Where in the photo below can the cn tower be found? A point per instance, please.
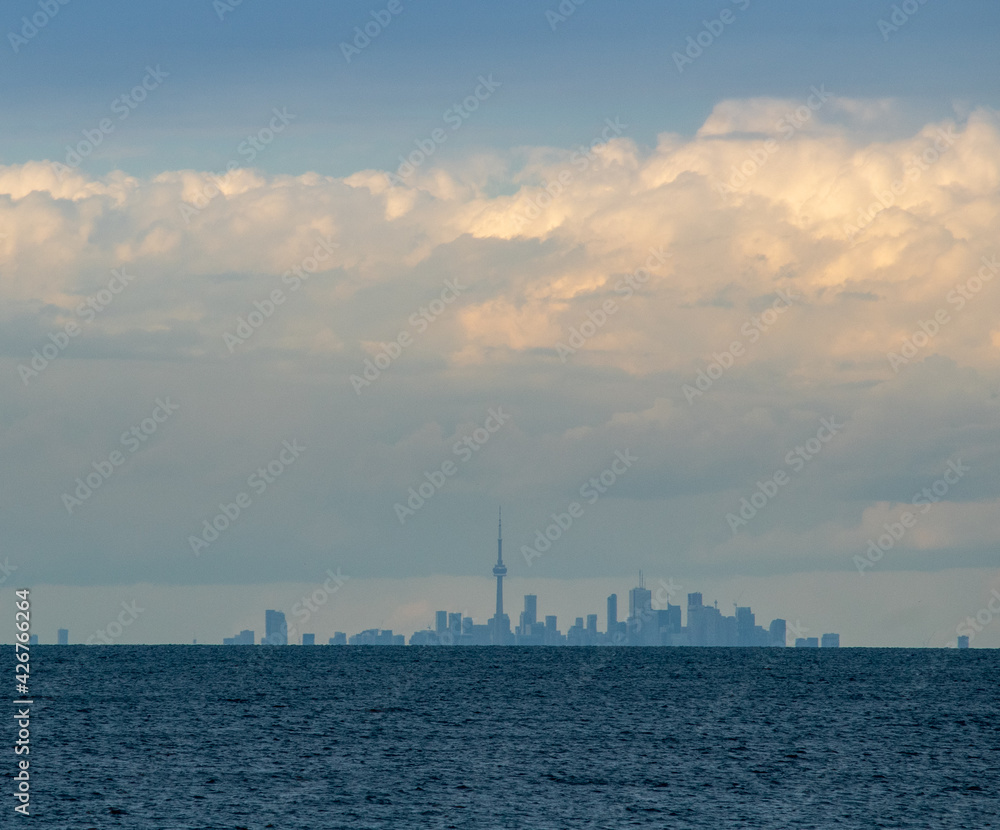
(499, 571)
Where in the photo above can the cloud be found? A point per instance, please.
(691, 242)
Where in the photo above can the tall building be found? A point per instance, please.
(640, 600)
(529, 632)
(552, 637)
(275, 629)
(529, 616)
(63, 637)
(777, 635)
(745, 624)
(501, 622)
(642, 625)
(612, 613)
(696, 622)
(830, 641)
(440, 621)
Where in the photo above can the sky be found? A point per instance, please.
(703, 289)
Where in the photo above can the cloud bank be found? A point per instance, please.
(703, 304)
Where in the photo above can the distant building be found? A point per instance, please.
(641, 625)
(244, 638)
(275, 629)
(339, 638)
(32, 639)
(697, 624)
(529, 631)
(745, 623)
(777, 636)
(612, 614)
(63, 637)
(830, 641)
(426, 637)
(963, 642)
(501, 634)
(308, 639)
(552, 636)
(440, 621)
(377, 637)
(807, 642)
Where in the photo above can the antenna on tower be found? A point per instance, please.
(640, 579)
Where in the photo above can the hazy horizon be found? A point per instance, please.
(484, 258)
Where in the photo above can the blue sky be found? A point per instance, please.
(604, 60)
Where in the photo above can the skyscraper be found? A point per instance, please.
(697, 623)
(612, 613)
(530, 614)
(745, 623)
(63, 637)
(777, 633)
(642, 628)
(501, 624)
(275, 628)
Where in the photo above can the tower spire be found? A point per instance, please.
(501, 626)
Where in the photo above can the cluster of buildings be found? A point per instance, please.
(704, 625)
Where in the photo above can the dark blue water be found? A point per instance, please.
(329, 737)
